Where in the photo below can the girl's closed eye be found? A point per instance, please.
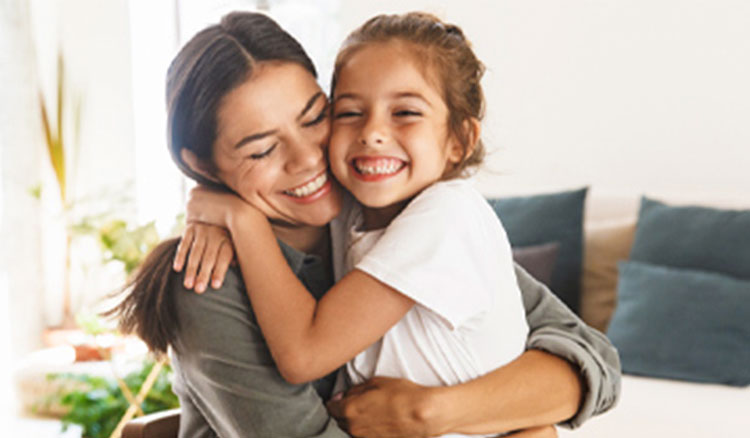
(407, 113)
(346, 114)
(264, 154)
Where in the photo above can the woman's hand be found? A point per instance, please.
(385, 407)
(210, 254)
(535, 432)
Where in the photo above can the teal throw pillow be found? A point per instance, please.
(682, 324)
(702, 238)
(555, 217)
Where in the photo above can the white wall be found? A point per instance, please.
(626, 96)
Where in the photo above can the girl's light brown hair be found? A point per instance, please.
(447, 60)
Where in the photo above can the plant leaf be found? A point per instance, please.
(54, 147)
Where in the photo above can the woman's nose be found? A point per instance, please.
(304, 153)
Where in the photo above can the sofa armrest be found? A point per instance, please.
(163, 424)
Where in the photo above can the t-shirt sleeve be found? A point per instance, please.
(443, 251)
(554, 328)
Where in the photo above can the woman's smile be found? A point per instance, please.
(311, 190)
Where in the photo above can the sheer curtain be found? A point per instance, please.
(21, 288)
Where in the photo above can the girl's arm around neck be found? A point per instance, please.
(309, 339)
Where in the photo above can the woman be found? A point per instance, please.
(246, 114)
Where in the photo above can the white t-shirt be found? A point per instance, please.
(449, 253)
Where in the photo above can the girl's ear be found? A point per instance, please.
(197, 165)
(458, 152)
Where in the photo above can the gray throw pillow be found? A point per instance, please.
(682, 324)
(554, 217)
(538, 260)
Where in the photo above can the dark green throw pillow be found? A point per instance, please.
(700, 238)
(555, 217)
(682, 324)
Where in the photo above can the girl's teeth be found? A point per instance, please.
(309, 188)
(380, 169)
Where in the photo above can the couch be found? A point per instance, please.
(649, 406)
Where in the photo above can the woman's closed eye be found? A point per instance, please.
(264, 154)
(318, 119)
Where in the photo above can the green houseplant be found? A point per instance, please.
(61, 149)
(98, 404)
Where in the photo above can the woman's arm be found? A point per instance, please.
(307, 338)
(536, 389)
(576, 376)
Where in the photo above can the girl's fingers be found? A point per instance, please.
(226, 255)
(208, 261)
(194, 259)
(182, 249)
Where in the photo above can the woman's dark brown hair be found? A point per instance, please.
(214, 62)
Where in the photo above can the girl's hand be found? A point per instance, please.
(212, 206)
(210, 253)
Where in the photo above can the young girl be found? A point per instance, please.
(426, 279)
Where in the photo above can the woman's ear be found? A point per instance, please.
(459, 152)
(197, 165)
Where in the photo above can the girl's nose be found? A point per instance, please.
(373, 132)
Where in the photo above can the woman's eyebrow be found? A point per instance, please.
(254, 137)
(310, 104)
(261, 135)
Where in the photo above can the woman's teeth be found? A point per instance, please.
(381, 168)
(309, 188)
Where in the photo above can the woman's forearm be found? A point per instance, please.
(536, 389)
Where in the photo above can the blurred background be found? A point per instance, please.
(626, 97)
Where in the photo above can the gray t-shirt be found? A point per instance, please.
(228, 384)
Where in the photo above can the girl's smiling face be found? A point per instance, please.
(271, 144)
(390, 137)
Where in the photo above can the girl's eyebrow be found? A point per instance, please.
(345, 96)
(397, 95)
(412, 95)
(261, 135)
